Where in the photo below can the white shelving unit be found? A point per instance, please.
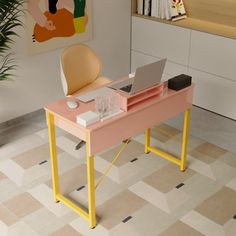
(210, 59)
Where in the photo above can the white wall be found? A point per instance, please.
(38, 81)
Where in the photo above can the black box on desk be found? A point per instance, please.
(179, 82)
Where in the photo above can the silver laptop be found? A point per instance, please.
(145, 77)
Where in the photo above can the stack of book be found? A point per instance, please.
(163, 9)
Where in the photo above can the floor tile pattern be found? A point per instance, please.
(143, 194)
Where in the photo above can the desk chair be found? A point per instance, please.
(80, 71)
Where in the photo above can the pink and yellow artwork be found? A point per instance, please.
(56, 23)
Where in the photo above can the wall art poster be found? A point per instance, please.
(57, 23)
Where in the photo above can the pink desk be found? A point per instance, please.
(105, 134)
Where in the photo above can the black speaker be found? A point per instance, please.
(179, 82)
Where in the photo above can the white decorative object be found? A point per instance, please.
(87, 118)
(107, 104)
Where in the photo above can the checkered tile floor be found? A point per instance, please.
(143, 195)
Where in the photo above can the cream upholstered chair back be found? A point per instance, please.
(80, 66)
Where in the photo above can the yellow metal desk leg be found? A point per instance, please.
(91, 187)
(53, 154)
(147, 140)
(185, 139)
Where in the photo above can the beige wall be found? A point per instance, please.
(38, 80)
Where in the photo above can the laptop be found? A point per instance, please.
(145, 77)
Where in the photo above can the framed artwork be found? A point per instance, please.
(53, 24)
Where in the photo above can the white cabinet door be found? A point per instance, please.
(160, 40)
(213, 54)
(214, 93)
(171, 69)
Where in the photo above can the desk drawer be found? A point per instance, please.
(138, 120)
(71, 128)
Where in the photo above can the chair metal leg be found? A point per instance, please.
(127, 140)
(80, 145)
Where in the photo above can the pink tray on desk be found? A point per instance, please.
(127, 101)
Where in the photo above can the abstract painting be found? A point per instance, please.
(57, 23)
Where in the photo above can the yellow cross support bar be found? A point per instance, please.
(112, 163)
(180, 162)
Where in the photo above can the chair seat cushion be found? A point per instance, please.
(97, 83)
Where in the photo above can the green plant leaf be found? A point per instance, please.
(10, 15)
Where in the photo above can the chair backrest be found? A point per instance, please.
(79, 66)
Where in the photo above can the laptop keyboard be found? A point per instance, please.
(127, 88)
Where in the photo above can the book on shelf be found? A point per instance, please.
(164, 9)
(154, 8)
(158, 8)
(160, 15)
(177, 9)
(147, 8)
(167, 10)
(140, 7)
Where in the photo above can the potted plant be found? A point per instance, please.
(10, 14)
